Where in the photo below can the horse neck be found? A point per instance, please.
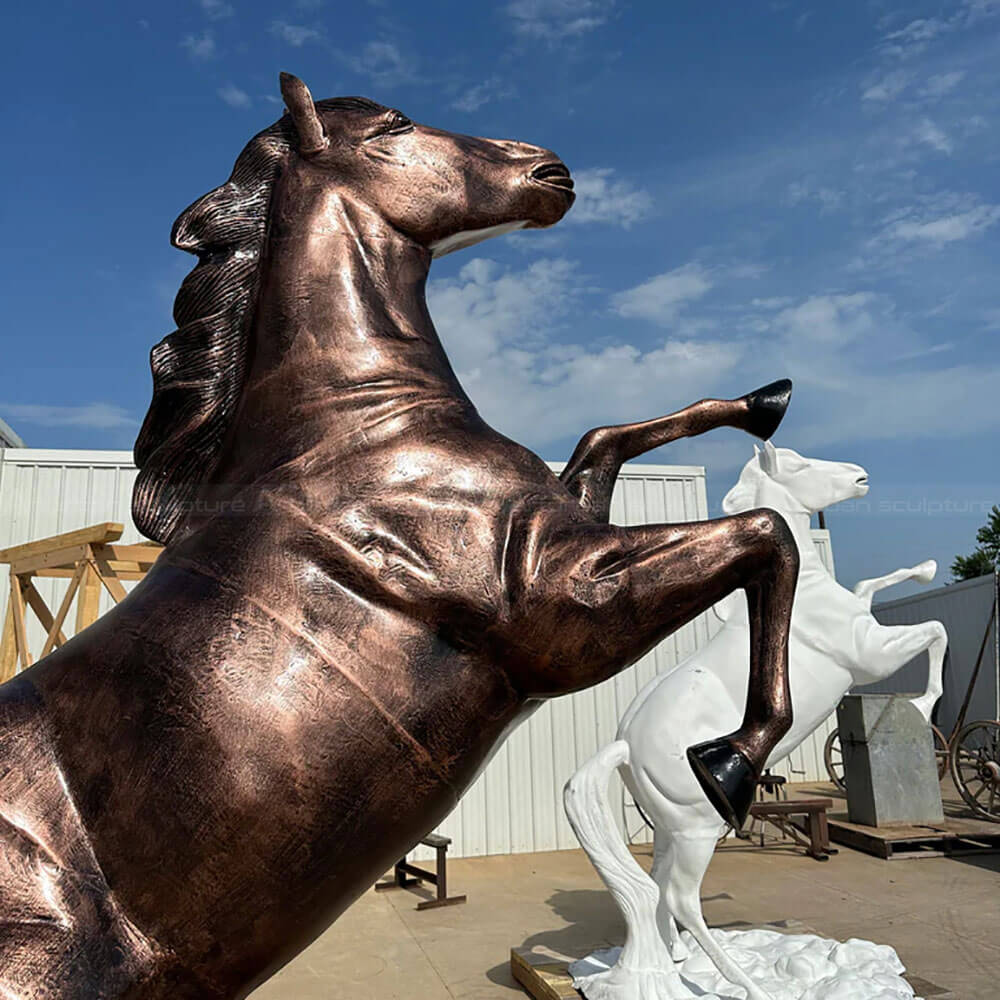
(342, 343)
(774, 495)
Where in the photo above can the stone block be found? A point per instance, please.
(889, 762)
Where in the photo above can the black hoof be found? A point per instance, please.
(727, 778)
(767, 407)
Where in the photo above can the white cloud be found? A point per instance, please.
(472, 99)
(94, 416)
(942, 83)
(944, 229)
(886, 87)
(829, 199)
(234, 97)
(601, 197)
(662, 297)
(506, 333)
(294, 34)
(383, 62)
(914, 38)
(554, 20)
(217, 10)
(931, 135)
(199, 46)
(833, 320)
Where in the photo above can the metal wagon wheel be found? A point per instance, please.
(975, 766)
(833, 757)
(941, 751)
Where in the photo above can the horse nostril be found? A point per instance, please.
(553, 172)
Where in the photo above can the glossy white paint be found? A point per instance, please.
(835, 644)
(794, 967)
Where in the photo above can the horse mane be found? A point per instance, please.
(199, 370)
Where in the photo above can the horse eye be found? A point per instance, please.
(399, 123)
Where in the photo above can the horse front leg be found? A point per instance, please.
(589, 599)
(922, 573)
(886, 648)
(593, 467)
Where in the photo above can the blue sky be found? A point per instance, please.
(766, 188)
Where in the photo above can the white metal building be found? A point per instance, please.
(8, 439)
(516, 805)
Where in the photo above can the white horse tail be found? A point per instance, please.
(586, 801)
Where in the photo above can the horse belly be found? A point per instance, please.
(690, 705)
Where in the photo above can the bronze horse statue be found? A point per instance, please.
(364, 587)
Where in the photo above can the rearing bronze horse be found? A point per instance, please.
(364, 589)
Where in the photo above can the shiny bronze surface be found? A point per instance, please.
(365, 587)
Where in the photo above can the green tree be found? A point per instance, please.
(985, 555)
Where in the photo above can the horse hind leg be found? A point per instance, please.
(593, 467)
(680, 888)
(589, 599)
(660, 874)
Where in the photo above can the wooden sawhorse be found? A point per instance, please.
(438, 878)
(814, 837)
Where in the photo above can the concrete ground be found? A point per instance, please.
(941, 915)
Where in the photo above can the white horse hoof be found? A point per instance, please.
(925, 572)
(679, 952)
(925, 706)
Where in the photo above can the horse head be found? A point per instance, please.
(443, 190)
(811, 484)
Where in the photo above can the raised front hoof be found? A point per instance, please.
(767, 406)
(727, 777)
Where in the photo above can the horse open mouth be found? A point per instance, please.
(553, 174)
(861, 481)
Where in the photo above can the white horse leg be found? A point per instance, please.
(923, 573)
(885, 648)
(691, 854)
(935, 686)
(662, 860)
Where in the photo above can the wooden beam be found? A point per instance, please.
(20, 633)
(63, 558)
(54, 632)
(122, 570)
(38, 605)
(115, 589)
(145, 554)
(88, 601)
(95, 534)
(8, 644)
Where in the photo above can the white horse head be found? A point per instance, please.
(811, 484)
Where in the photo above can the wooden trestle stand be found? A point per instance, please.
(90, 559)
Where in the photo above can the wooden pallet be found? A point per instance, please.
(544, 976)
(955, 836)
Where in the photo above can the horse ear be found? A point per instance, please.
(312, 136)
(768, 457)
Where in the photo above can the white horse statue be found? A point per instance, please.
(835, 644)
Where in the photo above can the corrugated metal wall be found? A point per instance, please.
(516, 805)
(964, 610)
